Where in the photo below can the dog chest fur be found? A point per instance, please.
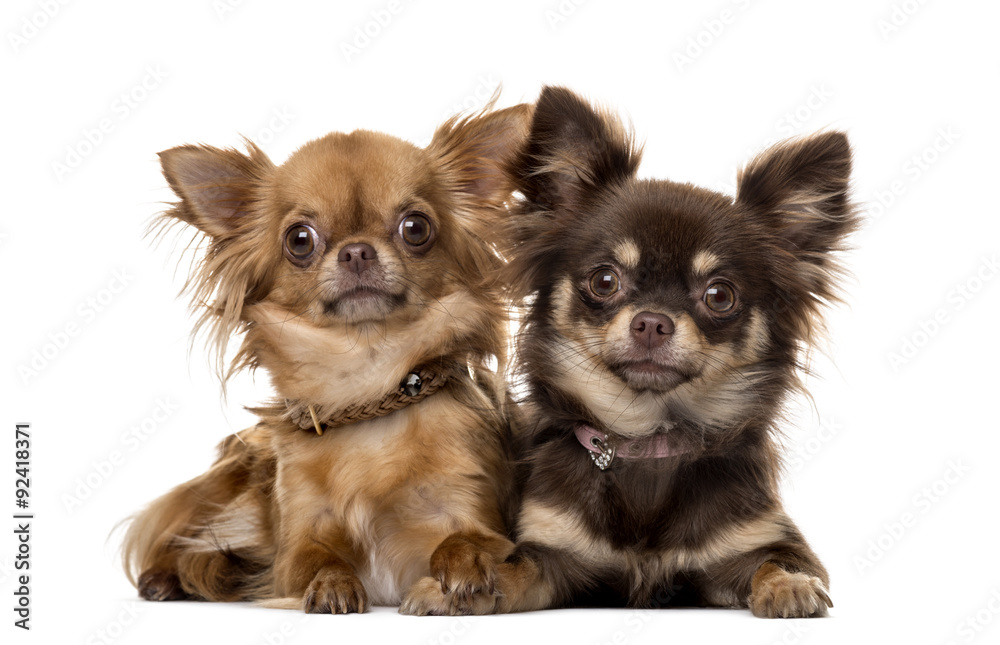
(389, 489)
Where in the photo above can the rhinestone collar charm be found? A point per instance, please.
(605, 453)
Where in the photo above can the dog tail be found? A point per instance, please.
(210, 538)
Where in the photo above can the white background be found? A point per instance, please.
(912, 440)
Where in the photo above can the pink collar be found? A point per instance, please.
(602, 452)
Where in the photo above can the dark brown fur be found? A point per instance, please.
(705, 526)
(338, 522)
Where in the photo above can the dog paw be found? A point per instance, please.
(157, 584)
(335, 591)
(779, 594)
(425, 598)
(464, 569)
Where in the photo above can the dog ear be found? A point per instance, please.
(800, 187)
(215, 185)
(474, 150)
(572, 150)
(799, 191)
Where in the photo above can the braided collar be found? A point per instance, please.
(415, 387)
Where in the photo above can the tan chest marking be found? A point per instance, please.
(560, 529)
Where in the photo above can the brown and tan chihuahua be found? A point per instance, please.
(666, 326)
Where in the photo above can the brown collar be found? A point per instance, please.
(416, 386)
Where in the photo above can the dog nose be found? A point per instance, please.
(358, 257)
(651, 330)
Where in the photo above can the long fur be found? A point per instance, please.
(652, 361)
(353, 517)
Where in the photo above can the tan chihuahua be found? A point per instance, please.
(355, 273)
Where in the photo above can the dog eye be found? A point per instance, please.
(604, 283)
(720, 297)
(415, 229)
(300, 242)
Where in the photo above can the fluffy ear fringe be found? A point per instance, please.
(800, 188)
(574, 151)
(213, 183)
(473, 151)
(475, 148)
(227, 269)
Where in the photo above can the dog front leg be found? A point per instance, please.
(322, 577)
(532, 577)
(781, 580)
(466, 563)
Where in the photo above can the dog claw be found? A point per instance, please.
(334, 591)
